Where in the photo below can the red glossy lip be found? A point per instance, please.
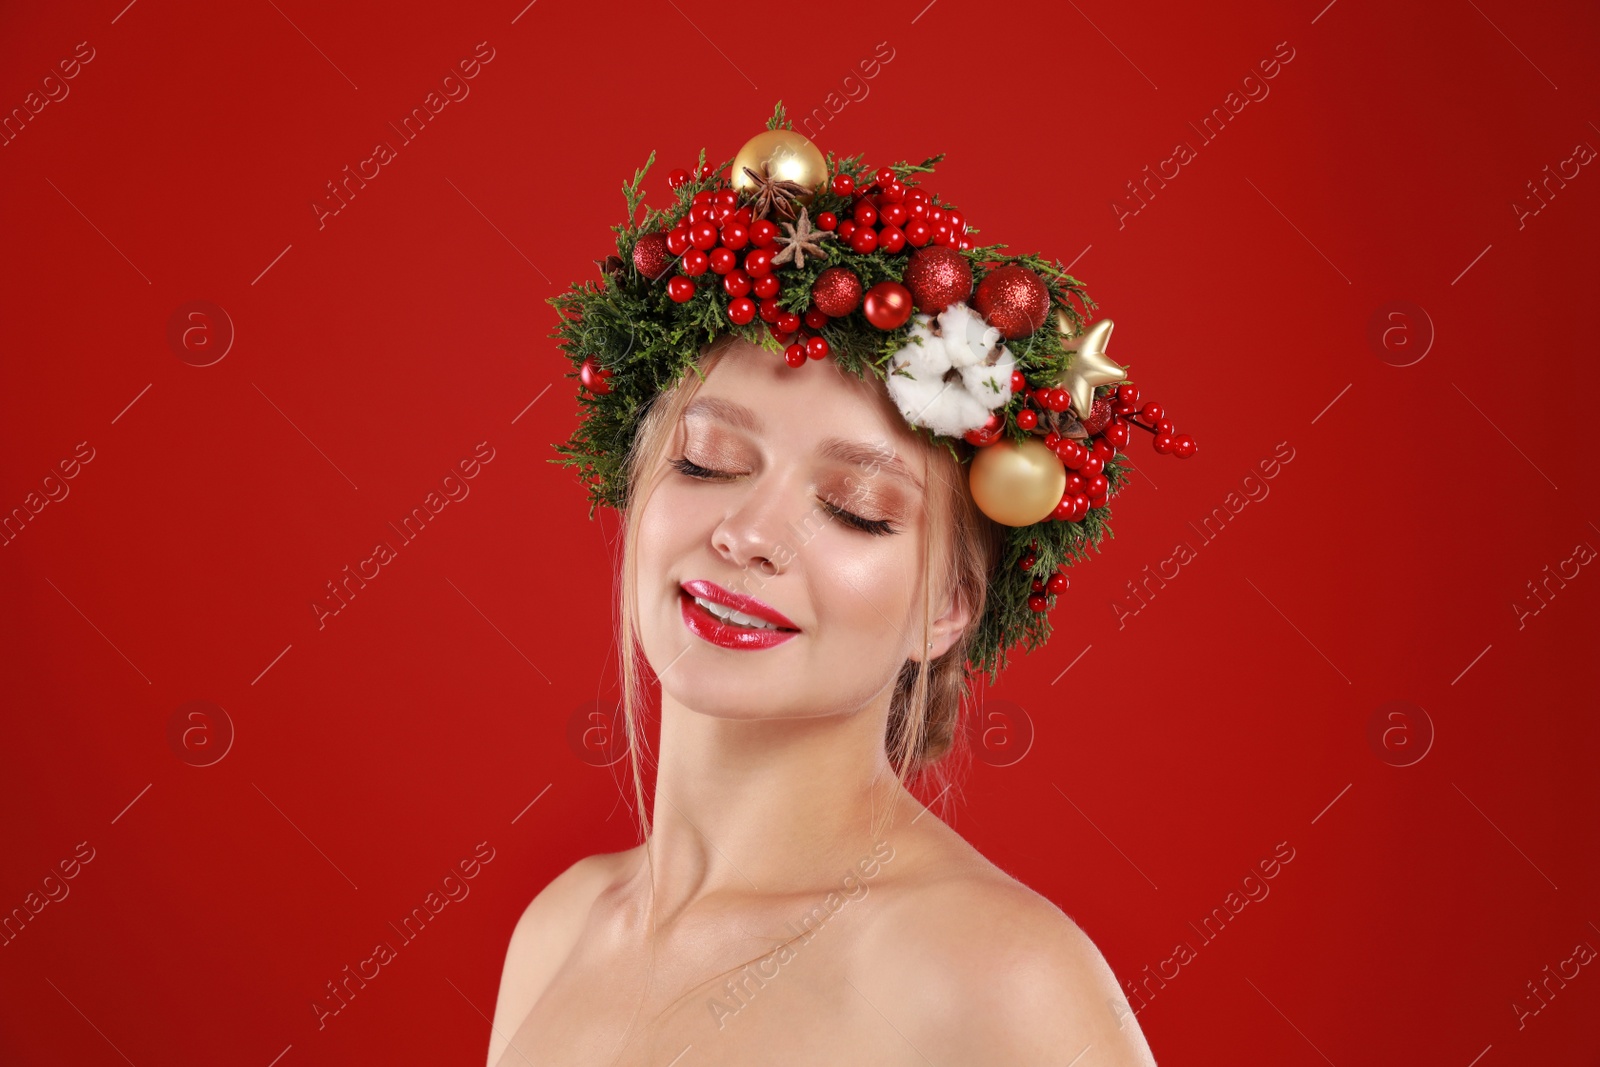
(738, 602)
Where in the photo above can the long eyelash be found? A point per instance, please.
(876, 527)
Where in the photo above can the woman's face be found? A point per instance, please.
(801, 489)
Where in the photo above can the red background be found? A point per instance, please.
(371, 355)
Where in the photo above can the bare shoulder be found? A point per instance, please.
(544, 935)
(1031, 985)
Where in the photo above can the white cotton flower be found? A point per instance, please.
(949, 376)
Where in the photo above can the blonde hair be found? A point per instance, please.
(924, 712)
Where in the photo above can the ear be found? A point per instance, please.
(948, 626)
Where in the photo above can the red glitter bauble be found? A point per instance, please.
(1099, 416)
(650, 256)
(938, 277)
(837, 292)
(1014, 300)
(887, 305)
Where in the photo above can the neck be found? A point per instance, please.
(752, 805)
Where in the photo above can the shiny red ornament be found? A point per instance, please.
(651, 257)
(887, 305)
(1012, 299)
(593, 376)
(836, 292)
(937, 278)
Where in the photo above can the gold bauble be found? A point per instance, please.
(786, 156)
(1017, 485)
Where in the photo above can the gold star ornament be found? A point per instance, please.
(1089, 367)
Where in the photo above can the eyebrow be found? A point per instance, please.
(834, 448)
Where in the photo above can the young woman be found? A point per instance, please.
(807, 575)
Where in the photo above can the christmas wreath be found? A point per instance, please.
(806, 255)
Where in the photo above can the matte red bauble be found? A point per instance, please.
(836, 292)
(938, 277)
(1014, 300)
(887, 305)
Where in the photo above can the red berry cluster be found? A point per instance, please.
(1110, 424)
(889, 215)
(1044, 589)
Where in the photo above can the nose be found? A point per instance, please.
(755, 534)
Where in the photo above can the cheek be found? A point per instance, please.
(877, 584)
(667, 523)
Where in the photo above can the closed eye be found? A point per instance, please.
(877, 527)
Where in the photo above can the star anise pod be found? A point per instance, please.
(774, 194)
(802, 241)
(612, 268)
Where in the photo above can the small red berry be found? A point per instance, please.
(827, 221)
(891, 239)
(723, 260)
(677, 179)
(885, 175)
(795, 355)
(817, 347)
(864, 240)
(741, 310)
(734, 235)
(843, 185)
(787, 322)
(703, 235)
(694, 262)
(1038, 603)
(1027, 418)
(1057, 584)
(680, 289)
(815, 319)
(736, 283)
(762, 233)
(767, 285)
